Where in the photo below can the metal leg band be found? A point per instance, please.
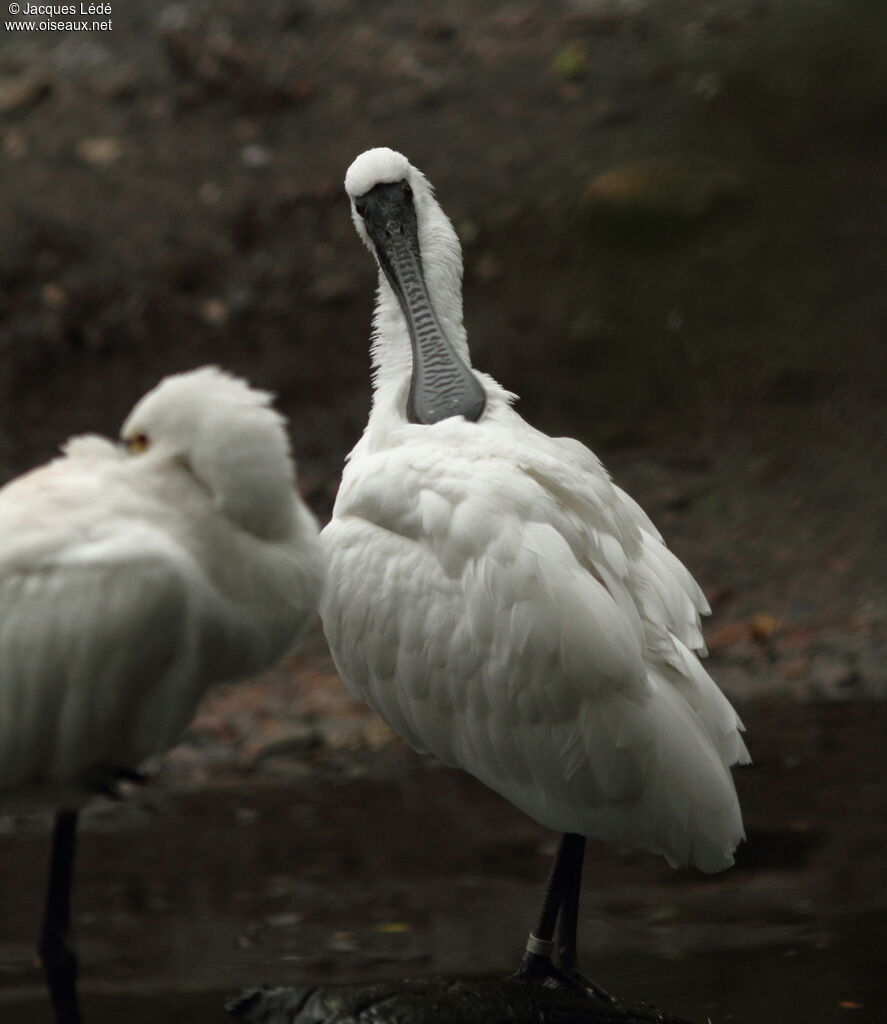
(539, 947)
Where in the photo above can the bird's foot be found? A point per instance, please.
(539, 969)
(60, 969)
(578, 979)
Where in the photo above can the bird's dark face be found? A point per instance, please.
(389, 217)
(442, 384)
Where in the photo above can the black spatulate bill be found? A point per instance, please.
(442, 384)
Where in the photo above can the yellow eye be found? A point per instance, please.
(137, 443)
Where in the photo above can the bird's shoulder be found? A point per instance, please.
(463, 461)
(84, 506)
(84, 467)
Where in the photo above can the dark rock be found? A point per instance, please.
(297, 740)
(832, 675)
(435, 1001)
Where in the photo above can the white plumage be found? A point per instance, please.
(131, 580)
(502, 604)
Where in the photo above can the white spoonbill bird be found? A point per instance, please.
(502, 604)
(131, 577)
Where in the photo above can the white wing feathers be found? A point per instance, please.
(83, 636)
(632, 559)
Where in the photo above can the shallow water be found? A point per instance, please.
(388, 865)
(839, 981)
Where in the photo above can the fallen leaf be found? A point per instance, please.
(795, 668)
(99, 150)
(571, 61)
(215, 312)
(728, 635)
(763, 626)
(53, 295)
(672, 189)
(21, 93)
(663, 914)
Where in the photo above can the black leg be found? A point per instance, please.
(568, 924)
(568, 918)
(536, 964)
(560, 910)
(59, 961)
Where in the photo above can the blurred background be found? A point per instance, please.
(674, 218)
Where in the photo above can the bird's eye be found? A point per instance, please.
(407, 190)
(361, 207)
(137, 443)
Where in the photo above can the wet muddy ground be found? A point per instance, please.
(340, 866)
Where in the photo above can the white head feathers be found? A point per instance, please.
(381, 166)
(187, 396)
(231, 439)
